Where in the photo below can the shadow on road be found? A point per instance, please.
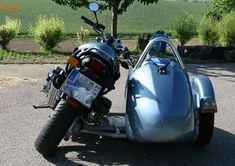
(213, 70)
(108, 151)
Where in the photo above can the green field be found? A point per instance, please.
(138, 19)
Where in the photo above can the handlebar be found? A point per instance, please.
(86, 20)
(96, 26)
(110, 40)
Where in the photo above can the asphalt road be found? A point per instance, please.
(20, 125)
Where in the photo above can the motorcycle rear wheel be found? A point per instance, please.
(55, 128)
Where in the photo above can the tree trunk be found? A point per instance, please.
(114, 18)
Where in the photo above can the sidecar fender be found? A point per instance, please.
(203, 95)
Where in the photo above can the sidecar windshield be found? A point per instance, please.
(160, 50)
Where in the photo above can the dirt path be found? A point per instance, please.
(28, 45)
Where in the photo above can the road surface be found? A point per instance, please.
(20, 125)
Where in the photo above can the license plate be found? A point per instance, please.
(81, 88)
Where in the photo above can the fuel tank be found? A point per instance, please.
(159, 104)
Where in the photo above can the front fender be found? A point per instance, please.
(203, 95)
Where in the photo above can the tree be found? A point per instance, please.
(117, 7)
(219, 8)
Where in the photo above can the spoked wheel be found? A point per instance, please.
(55, 128)
(204, 125)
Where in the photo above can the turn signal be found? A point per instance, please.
(73, 61)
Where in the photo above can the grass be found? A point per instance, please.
(138, 18)
(12, 57)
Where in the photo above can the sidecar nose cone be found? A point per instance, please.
(159, 107)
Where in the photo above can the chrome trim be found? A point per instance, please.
(149, 46)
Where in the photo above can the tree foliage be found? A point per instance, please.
(104, 4)
(219, 8)
(117, 7)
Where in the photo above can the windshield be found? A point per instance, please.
(160, 49)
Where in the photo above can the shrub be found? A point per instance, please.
(185, 28)
(48, 32)
(226, 29)
(8, 31)
(208, 32)
(81, 36)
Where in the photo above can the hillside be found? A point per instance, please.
(138, 19)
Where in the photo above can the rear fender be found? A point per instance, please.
(203, 95)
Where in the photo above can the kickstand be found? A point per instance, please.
(44, 105)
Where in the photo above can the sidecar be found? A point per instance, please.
(162, 103)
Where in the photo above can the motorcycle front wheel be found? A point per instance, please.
(55, 128)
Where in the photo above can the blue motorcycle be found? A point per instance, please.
(162, 105)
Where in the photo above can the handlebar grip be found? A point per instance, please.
(88, 21)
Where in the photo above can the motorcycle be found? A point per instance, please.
(162, 105)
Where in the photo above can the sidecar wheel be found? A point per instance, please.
(55, 128)
(204, 129)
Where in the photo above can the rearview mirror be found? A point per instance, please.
(94, 7)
